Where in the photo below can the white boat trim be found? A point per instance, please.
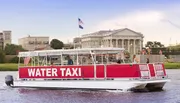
(89, 84)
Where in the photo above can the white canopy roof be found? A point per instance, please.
(70, 51)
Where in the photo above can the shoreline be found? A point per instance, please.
(14, 66)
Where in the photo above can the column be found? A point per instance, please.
(140, 44)
(110, 42)
(122, 43)
(82, 43)
(102, 43)
(106, 43)
(128, 45)
(116, 43)
(87, 44)
(134, 46)
(91, 44)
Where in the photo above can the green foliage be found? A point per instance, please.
(156, 50)
(172, 65)
(9, 67)
(155, 47)
(2, 56)
(16, 60)
(12, 49)
(154, 44)
(174, 48)
(56, 44)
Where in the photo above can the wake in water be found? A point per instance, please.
(4, 87)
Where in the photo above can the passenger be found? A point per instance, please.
(89, 60)
(52, 63)
(147, 60)
(83, 60)
(118, 57)
(135, 59)
(70, 61)
(119, 61)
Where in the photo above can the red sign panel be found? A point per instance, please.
(123, 70)
(79, 71)
(57, 72)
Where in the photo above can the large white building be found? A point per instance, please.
(5, 38)
(124, 38)
(34, 42)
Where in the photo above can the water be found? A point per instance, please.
(170, 94)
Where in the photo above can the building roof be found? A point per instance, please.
(98, 33)
(110, 32)
(48, 47)
(34, 37)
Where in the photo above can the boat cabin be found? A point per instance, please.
(89, 56)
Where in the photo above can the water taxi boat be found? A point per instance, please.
(90, 68)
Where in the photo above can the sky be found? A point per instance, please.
(157, 20)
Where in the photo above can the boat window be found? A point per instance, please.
(101, 59)
(86, 59)
(55, 60)
(108, 58)
(127, 60)
(69, 60)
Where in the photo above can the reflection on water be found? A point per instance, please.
(170, 94)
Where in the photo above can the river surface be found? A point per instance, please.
(170, 94)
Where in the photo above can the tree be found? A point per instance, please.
(149, 44)
(16, 60)
(2, 56)
(56, 44)
(12, 49)
(154, 47)
(173, 50)
(154, 44)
